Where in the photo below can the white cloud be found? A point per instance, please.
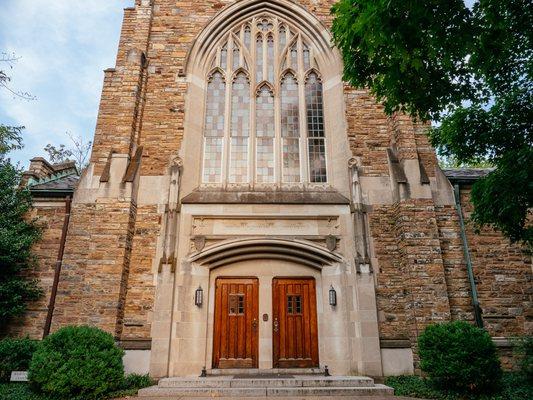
(64, 45)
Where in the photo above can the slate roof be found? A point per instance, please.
(51, 180)
(64, 183)
(466, 175)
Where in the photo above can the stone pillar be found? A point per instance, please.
(166, 255)
(366, 349)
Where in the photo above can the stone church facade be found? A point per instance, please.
(244, 208)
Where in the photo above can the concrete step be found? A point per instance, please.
(156, 392)
(253, 382)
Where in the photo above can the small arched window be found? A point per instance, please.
(264, 119)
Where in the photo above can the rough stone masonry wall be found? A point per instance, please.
(504, 279)
(95, 266)
(502, 274)
(50, 214)
(411, 287)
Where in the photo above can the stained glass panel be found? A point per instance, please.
(290, 129)
(315, 108)
(240, 129)
(264, 119)
(247, 37)
(224, 57)
(294, 56)
(227, 147)
(315, 129)
(282, 38)
(259, 59)
(307, 58)
(214, 128)
(236, 57)
(270, 59)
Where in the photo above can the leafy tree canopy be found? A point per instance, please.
(468, 70)
(17, 234)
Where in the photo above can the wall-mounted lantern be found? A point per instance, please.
(199, 297)
(332, 297)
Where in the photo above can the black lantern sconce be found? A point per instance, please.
(199, 297)
(332, 297)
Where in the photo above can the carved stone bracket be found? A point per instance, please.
(199, 243)
(331, 242)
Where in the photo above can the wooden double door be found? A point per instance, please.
(236, 324)
(294, 323)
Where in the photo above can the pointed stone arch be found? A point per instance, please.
(307, 24)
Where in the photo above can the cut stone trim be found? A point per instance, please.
(267, 197)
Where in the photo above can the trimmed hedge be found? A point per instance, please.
(524, 353)
(513, 386)
(77, 362)
(15, 355)
(459, 356)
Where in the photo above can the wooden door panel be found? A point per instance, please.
(235, 334)
(295, 333)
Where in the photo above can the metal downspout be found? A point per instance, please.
(57, 271)
(473, 289)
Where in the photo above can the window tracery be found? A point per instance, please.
(272, 131)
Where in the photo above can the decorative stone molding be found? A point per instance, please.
(298, 251)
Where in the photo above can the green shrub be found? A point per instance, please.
(19, 391)
(513, 386)
(131, 385)
(77, 362)
(15, 355)
(460, 357)
(136, 381)
(524, 352)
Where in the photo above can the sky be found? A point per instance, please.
(63, 47)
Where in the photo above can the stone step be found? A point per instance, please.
(253, 382)
(257, 371)
(156, 392)
(381, 397)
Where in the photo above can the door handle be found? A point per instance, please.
(254, 324)
(276, 325)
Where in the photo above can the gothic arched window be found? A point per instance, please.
(264, 120)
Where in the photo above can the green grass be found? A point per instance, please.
(22, 391)
(513, 387)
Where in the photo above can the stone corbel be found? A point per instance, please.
(107, 168)
(133, 166)
(396, 167)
